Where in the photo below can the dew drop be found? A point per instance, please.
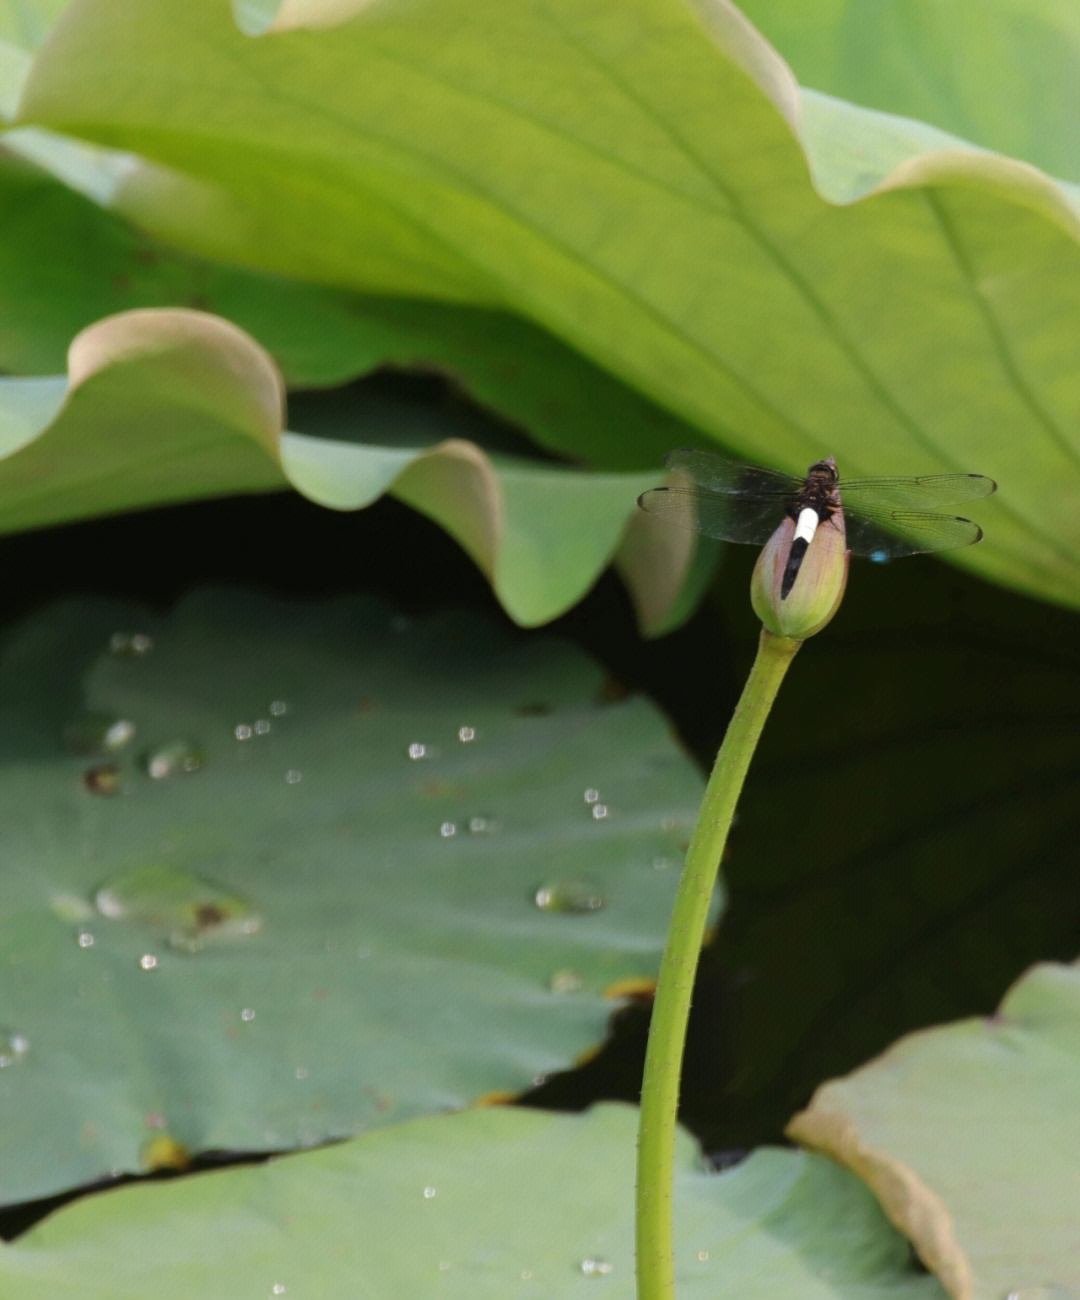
(466, 734)
(242, 731)
(599, 811)
(448, 830)
(703, 1256)
(482, 826)
(134, 644)
(13, 1047)
(293, 775)
(96, 733)
(417, 752)
(444, 1265)
(148, 961)
(429, 1192)
(591, 796)
(278, 708)
(177, 758)
(190, 912)
(247, 1014)
(572, 896)
(565, 981)
(278, 1288)
(85, 939)
(593, 1266)
(301, 1072)
(104, 780)
(262, 726)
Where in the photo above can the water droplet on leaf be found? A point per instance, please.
(189, 911)
(177, 758)
(135, 644)
(593, 1266)
(565, 981)
(96, 733)
(572, 896)
(13, 1047)
(104, 780)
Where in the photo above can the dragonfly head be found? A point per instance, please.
(823, 473)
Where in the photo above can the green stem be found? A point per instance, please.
(686, 933)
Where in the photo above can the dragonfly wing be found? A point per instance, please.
(930, 492)
(716, 474)
(751, 520)
(891, 535)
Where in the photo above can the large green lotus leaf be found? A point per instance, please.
(968, 1134)
(490, 1203)
(66, 262)
(164, 406)
(966, 66)
(348, 870)
(634, 180)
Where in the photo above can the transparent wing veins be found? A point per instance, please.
(884, 517)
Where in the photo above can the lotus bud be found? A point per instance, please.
(798, 585)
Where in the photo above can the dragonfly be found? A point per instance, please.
(883, 518)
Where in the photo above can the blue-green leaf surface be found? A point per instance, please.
(481, 1206)
(966, 1132)
(275, 873)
